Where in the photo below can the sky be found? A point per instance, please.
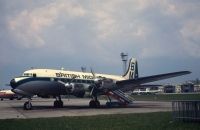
(164, 36)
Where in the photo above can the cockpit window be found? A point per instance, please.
(28, 74)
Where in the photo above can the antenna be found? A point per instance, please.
(83, 69)
(124, 57)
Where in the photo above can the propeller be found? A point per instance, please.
(101, 84)
(98, 84)
(68, 85)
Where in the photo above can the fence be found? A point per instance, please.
(186, 110)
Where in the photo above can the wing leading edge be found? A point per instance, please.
(152, 78)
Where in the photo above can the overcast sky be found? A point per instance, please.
(164, 35)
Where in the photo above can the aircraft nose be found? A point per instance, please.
(13, 83)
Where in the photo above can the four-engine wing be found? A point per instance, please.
(143, 80)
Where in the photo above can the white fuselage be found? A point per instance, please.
(45, 81)
(67, 74)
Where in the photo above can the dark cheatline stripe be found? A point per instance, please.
(32, 79)
(46, 79)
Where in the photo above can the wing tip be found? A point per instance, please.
(187, 72)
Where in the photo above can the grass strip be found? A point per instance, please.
(141, 121)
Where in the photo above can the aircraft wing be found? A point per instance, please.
(143, 80)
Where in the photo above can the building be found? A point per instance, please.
(187, 88)
(197, 88)
(169, 89)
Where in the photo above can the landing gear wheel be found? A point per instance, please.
(58, 104)
(97, 104)
(27, 106)
(94, 104)
(1, 99)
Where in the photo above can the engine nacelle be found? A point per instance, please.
(77, 90)
(104, 83)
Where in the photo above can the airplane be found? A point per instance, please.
(51, 82)
(146, 91)
(8, 94)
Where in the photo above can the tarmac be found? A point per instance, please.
(43, 108)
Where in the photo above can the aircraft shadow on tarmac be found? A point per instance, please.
(67, 107)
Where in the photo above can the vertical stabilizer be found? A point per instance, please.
(132, 71)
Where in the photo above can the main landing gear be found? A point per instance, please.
(28, 105)
(94, 103)
(58, 103)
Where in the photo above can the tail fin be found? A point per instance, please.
(132, 71)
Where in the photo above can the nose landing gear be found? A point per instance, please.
(28, 105)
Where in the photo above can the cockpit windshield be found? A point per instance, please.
(29, 74)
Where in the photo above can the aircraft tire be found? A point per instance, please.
(58, 104)
(97, 104)
(1, 99)
(94, 104)
(27, 106)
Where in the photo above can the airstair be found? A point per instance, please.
(123, 98)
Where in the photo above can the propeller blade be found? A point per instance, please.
(73, 78)
(91, 92)
(93, 74)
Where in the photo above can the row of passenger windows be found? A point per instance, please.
(77, 81)
(64, 80)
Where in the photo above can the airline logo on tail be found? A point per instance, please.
(132, 71)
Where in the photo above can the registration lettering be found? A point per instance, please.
(66, 75)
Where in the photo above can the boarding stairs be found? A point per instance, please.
(122, 97)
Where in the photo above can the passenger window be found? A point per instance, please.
(83, 81)
(67, 80)
(79, 81)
